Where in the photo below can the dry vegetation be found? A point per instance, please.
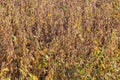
(59, 39)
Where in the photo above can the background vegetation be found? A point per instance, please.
(59, 39)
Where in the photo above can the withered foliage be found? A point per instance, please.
(59, 39)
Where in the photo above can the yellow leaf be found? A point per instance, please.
(45, 50)
(35, 62)
(49, 15)
(103, 65)
(96, 51)
(5, 69)
(33, 77)
(66, 65)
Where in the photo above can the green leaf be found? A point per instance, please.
(82, 71)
